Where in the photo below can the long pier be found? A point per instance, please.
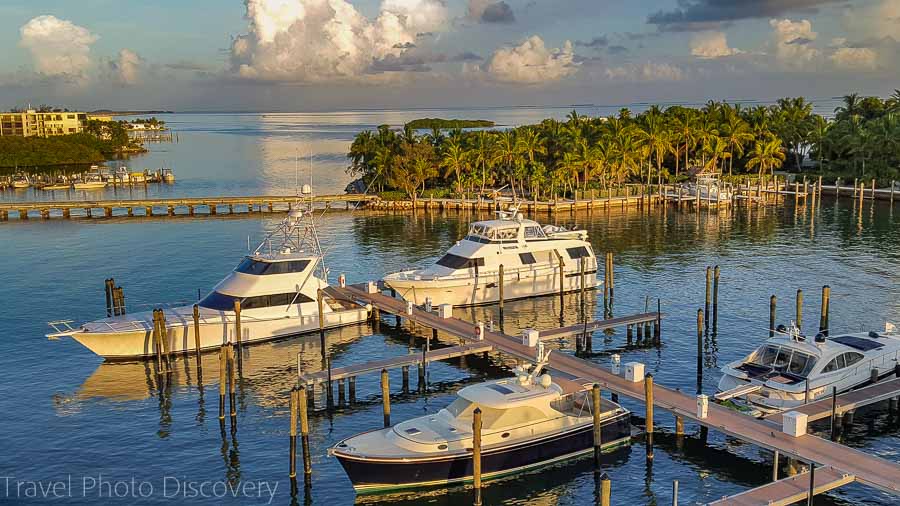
(846, 462)
(169, 206)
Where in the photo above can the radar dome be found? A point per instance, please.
(546, 380)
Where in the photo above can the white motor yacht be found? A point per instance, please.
(469, 274)
(791, 369)
(528, 421)
(20, 181)
(277, 286)
(90, 181)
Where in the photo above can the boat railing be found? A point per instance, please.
(546, 268)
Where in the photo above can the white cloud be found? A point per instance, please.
(793, 40)
(325, 40)
(57, 46)
(531, 62)
(878, 19)
(710, 45)
(128, 67)
(855, 58)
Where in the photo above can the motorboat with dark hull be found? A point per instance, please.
(528, 422)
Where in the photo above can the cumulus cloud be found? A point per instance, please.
(648, 71)
(792, 42)
(694, 15)
(323, 40)
(531, 62)
(709, 45)
(127, 67)
(490, 11)
(594, 43)
(855, 58)
(57, 46)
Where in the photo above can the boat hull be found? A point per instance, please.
(138, 343)
(485, 289)
(378, 474)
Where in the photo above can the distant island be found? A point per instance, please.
(110, 112)
(448, 124)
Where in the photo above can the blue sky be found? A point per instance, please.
(339, 54)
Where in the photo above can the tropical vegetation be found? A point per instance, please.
(552, 158)
(101, 140)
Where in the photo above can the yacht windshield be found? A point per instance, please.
(257, 268)
(784, 360)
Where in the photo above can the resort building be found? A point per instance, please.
(41, 124)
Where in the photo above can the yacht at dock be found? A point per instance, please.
(791, 369)
(528, 421)
(277, 286)
(469, 273)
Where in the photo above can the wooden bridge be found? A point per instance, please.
(188, 206)
(842, 464)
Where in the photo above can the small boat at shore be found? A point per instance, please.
(531, 254)
(20, 181)
(90, 181)
(60, 183)
(528, 421)
(791, 369)
(276, 285)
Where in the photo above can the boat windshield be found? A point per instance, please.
(784, 359)
(257, 268)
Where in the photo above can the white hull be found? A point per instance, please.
(216, 330)
(470, 291)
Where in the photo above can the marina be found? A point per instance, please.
(661, 255)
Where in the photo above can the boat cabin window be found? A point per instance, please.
(534, 232)
(843, 360)
(578, 252)
(222, 302)
(504, 234)
(784, 359)
(527, 258)
(499, 418)
(258, 268)
(452, 261)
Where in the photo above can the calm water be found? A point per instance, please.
(66, 413)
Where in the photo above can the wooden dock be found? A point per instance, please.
(413, 359)
(867, 469)
(788, 490)
(188, 206)
(847, 401)
(599, 325)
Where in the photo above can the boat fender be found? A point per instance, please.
(546, 380)
(342, 280)
(781, 329)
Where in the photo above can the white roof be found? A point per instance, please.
(508, 393)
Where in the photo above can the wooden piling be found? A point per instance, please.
(476, 455)
(648, 394)
(500, 285)
(604, 490)
(164, 337)
(799, 315)
(237, 324)
(708, 293)
(772, 302)
(386, 397)
(232, 381)
(342, 399)
(107, 285)
(612, 275)
(826, 303)
(405, 372)
(812, 482)
(223, 373)
(598, 443)
(293, 435)
(775, 466)
(562, 274)
(197, 337)
(716, 297)
(321, 301)
(834, 420)
(679, 426)
(675, 493)
(699, 333)
(351, 389)
(304, 434)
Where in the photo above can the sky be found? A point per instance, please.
(320, 55)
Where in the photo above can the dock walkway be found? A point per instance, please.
(867, 469)
(788, 490)
(147, 207)
(846, 401)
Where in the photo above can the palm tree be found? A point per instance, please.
(455, 161)
(507, 154)
(767, 154)
(736, 133)
(656, 136)
(483, 153)
(684, 133)
(569, 167)
(717, 149)
(850, 108)
(531, 143)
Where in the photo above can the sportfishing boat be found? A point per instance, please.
(277, 285)
(530, 254)
(528, 421)
(90, 181)
(791, 369)
(20, 181)
(167, 176)
(709, 187)
(60, 183)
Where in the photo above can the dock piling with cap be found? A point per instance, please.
(237, 332)
(197, 343)
(773, 300)
(799, 315)
(304, 435)
(293, 435)
(715, 298)
(598, 443)
(826, 303)
(386, 397)
(476, 454)
(708, 294)
(223, 373)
